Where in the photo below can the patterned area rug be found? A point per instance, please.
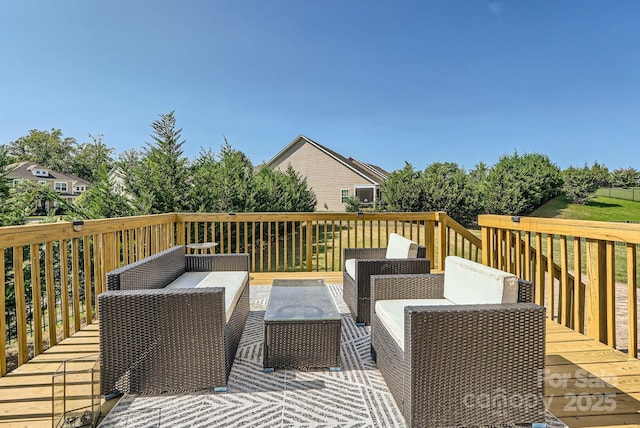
(357, 396)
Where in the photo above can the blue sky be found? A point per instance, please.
(385, 82)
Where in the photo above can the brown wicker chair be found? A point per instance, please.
(461, 365)
(156, 340)
(356, 289)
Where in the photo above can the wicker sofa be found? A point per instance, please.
(470, 364)
(401, 256)
(172, 322)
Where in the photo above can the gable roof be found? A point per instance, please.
(370, 172)
(23, 170)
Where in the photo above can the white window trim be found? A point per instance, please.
(66, 186)
(342, 197)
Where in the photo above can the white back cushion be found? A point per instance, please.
(391, 314)
(231, 281)
(467, 282)
(400, 247)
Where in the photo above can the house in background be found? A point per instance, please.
(68, 186)
(332, 177)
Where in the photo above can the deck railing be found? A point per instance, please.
(51, 274)
(583, 271)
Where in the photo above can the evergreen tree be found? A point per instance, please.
(447, 187)
(517, 185)
(159, 183)
(579, 184)
(403, 191)
(625, 177)
(92, 159)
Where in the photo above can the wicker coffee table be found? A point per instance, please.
(302, 326)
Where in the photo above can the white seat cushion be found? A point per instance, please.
(391, 314)
(231, 281)
(400, 247)
(350, 267)
(467, 282)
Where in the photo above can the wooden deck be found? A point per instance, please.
(588, 384)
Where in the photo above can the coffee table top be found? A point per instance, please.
(300, 299)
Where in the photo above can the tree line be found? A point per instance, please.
(159, 178)
(516, 185)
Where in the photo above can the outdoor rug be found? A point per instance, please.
(357, 396)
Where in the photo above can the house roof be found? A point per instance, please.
(23, 170)
(373, 173)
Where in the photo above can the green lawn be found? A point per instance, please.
(600, 209)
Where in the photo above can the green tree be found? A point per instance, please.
(277, 191)
(403, 191)
(352, 204)
(517, 184)
(625, 177)
(222, 183)
(477, 181)
(579, 184)
(46, 148)
(447, 187)
(159, 183)
(602, 174)
(92, 159)
(4, 186)
(29, 198)
(101, 201)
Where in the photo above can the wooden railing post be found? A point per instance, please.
(309, 232)
(442, 229)
(486, 246)
(596, 290)
(3, 325)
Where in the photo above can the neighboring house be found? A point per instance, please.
(332, 177)
(116, 180)
(68, 186)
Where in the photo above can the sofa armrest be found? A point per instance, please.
(492, 349)
(409, 286)
(160, 340)
(367, 267)
(525, 291)
(363, 253)
(217, 262)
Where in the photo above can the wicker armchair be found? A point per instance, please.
(356, 288)
(156, 340)
(461, 365)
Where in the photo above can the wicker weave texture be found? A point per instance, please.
(156, 340)
(162, 340)
(155, 271)
(371, 261)
(467, 365)
(299, 344)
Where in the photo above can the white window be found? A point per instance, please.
(344, 194)
(15, 183)
(60, 186)
(40, 173)
(42, 182)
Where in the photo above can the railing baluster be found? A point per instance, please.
(632, 308)
(21, 306)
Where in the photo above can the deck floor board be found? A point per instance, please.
(580, 373)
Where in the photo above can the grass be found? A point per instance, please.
(601, 208)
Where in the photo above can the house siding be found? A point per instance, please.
(325, 175)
